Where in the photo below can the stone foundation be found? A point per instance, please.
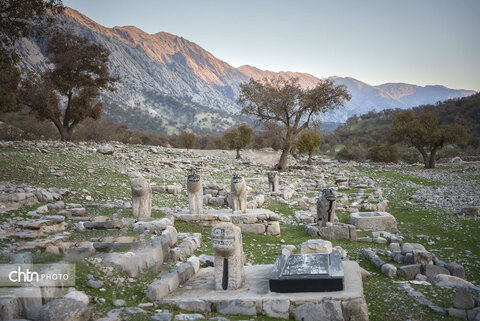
(199, 294)
(256, 221)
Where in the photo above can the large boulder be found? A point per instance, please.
(64, 309)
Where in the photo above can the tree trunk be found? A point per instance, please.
(287, 147)
(433, 154)
(426, 161)
(61, 129)
(309, 161)
(238, 153)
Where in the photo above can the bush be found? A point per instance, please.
(352, 153)
(449, 152)
(206, 142)
(385, 153)
(31, 128)
(409, 155)
(186, 139)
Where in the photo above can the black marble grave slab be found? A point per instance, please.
(318, 272)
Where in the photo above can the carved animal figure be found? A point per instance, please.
(195, 193)
(326, 207)
(141, 197)
(238, 194)
(229, 259)
(273, 181)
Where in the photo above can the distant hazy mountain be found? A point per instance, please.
(169, 83)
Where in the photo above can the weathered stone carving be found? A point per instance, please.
(238, 194)
(195, 193)
(326, 207)
(141, 197)
(273, 181)
(229, 260)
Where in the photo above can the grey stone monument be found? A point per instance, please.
(195, 193)
(319, 272)
(273, 181)
(326, 207)
(141, 197)
(238, 194)
(229, 260)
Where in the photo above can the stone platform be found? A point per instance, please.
(199, 294)
(374, 221)
(256, 221)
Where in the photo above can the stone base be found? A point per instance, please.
(374, 221)
(256, 221)
(337, 231)
(255, 298)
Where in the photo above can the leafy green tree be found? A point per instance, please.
(239, 137)
(186, 139)
(79, 74)
(20, 18)
(424, 132)
(285, 102)
(307, 142)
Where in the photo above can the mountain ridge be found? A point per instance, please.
(177, 81)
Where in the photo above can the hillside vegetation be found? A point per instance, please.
(373, 128)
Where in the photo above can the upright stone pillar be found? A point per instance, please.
(229, 260)
(195, 193)
(141, 197)
(238, 194)
(326, 207)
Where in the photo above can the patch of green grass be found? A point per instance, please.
(279, 208)
(131, 292)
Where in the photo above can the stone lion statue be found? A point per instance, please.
(326, 207)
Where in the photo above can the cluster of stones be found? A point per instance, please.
(36, 302)
(464, 304)
(13, 197)
(424, 266)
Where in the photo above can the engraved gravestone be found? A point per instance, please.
(228, 266)
(195, 193)
(319, 272)
(238, 194)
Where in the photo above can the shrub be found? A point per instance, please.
(385, 153)
(350, 153)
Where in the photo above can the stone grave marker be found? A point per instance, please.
(195, 193)
(318, 272)
(229, 259)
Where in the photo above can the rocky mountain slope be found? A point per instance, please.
(169, 83)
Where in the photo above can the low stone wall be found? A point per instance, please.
(170, 281)
(256, 221)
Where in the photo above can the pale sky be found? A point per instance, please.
(423, 42)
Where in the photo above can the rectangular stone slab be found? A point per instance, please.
(316, 272)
